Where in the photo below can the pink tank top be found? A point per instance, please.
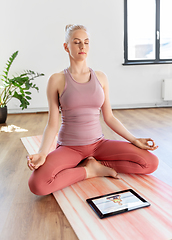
(80, 106)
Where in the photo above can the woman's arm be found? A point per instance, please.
(115, 124)
(51, 128)
(50, 131)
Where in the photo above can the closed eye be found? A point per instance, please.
(80, 42)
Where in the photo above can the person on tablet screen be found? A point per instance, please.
(116, 199)
(82, 151)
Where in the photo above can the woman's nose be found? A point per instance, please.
(81, 45)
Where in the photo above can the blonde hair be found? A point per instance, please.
(70, 28)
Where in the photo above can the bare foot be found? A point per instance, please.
(95, 169)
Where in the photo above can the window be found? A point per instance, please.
(147, 31)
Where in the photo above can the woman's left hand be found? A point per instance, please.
(145, 143)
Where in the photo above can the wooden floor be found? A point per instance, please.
(24, 216)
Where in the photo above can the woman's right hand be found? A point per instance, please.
(35, 161)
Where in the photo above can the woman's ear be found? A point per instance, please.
(65, 47)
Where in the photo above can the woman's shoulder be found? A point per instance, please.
(102, 77)
(57, 76)
(100, 73)
(57, 81)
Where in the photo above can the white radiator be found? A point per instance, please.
(167, 89)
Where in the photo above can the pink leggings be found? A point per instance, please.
(60, 171)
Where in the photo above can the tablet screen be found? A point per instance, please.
(117, 202)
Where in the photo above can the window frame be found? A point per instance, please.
(157, 59)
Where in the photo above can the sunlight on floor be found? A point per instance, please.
(12, 128)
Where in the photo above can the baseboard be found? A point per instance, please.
(116, 106)
(29, 110)
(142, 105)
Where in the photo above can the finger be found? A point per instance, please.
(29, 158)
(153, 148)
(154, 145)
(29, 163)
(30, 167)
(150, 142)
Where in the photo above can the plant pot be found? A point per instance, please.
(3, 114)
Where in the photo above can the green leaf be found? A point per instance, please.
(23, 74)
(10, 61)
(14, 83)
(28, 85)
(28, 93)
(24, 103)
(21, 90)
(29, 98)
(4, 77)
(16, 95)
(5, 74)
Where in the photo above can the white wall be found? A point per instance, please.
(36, 29)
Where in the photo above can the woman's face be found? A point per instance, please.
(78, 45)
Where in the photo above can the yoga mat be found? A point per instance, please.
(151, 223)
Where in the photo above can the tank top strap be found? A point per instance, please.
(69, 78)
(95, 77)
(66, 73)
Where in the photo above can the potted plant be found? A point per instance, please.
(16, 87)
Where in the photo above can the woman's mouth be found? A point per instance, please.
(82, 53)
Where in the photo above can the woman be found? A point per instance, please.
(82, 152)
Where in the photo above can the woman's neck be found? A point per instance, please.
(78, 67)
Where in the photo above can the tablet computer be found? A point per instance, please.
(116, 203)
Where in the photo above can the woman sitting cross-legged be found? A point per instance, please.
(82, 151)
